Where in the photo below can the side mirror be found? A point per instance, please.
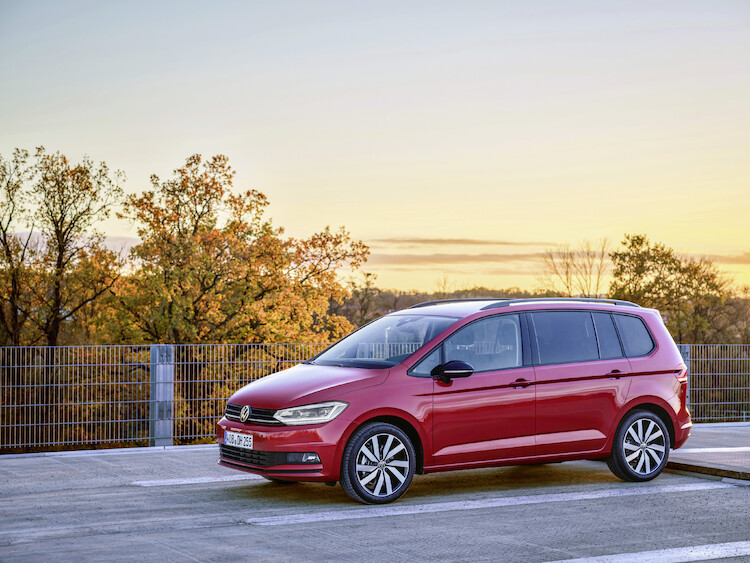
(454, 368)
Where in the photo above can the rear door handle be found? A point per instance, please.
(615, 374)
(520, 383)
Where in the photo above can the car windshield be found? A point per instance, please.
(385, 342)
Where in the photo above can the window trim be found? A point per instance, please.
(525, 345)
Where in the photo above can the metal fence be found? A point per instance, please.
(109, 396)
(719, 381)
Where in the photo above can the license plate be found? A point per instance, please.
(238, 440)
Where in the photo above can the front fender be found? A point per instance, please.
(418, 426)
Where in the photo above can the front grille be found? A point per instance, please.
(251, 457)
(257, 416)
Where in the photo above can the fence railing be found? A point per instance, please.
(72, 397)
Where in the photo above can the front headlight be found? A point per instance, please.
(311, 414)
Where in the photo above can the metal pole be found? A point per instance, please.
(162, 394)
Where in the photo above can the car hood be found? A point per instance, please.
(305, 384)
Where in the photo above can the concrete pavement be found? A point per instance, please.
(722, 450)
(177, 504)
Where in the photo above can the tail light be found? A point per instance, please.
(682, 377)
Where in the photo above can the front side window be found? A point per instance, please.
(565, 336)
(488, 344)
(385, 342)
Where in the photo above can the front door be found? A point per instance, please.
(490, 414)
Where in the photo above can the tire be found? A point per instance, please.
(641, 447)
(378, 464)
(277, 481)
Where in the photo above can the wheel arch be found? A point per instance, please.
(403, 424)
(653, 406)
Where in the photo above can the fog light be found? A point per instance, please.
(299, 457)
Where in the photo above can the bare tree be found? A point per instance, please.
(577, 271)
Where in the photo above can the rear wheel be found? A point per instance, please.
(641, 447)
(378, 464)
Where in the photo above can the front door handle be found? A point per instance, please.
(520, 383)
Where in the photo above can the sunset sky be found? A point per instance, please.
(458, 139)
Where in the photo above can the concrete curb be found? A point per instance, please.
(710, 469)
(704, 425)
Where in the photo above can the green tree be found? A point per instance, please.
(690, 292)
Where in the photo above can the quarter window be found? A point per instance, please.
(565, 336)
(636, 338)
(488, 344)
(430, 362)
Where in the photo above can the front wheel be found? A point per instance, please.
(378, 464)
(641, 447)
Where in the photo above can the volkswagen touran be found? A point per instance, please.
(462, 384)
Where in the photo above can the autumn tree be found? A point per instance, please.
(577, 271)
(690, 292)
(54, 262)
(15, 249)
(212, 269)
(74, 264)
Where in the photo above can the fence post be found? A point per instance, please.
(162, 394)
(685, 352)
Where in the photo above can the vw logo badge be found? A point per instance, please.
(245, 413)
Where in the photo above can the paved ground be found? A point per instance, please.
(718, 449)
(177, 505)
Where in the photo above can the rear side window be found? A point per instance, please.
(636, 338)
(565, 336)
(609, 344)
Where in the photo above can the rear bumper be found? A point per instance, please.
(682, 432)
(271, 442)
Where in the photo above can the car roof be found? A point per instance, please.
(467, 307)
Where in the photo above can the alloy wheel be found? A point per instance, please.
(382, 464)
(645, 446)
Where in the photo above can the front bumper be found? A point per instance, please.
(272, 443)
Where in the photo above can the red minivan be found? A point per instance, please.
(468, 383)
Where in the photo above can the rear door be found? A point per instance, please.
(581, 376)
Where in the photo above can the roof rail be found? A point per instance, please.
(441, 301)
(507, 302)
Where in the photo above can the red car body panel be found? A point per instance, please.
(557, 412)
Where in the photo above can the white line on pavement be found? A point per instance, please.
(114, 451)
(195, 480)
(712, 450)
(380, 511)
(675, 555)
